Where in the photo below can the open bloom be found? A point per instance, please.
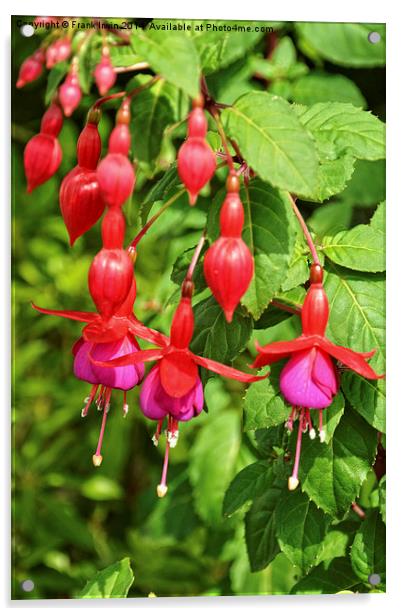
(309, 380)
(173, 389)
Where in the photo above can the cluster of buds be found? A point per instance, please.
(228, 263)
(58, 51)
(196, 163)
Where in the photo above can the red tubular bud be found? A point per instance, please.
(70, 94)
(116, 179)
(182, 328)
(42, 158)
(120, 140)
(31, 68)
(113, 228)
(232, 216)
(80, 200)
(315, 311)
(110, 278)
(58, 51)
(196, 165)
(89, 146)
(197, 123)
(52, 120)
(228, 270)
(105, 76)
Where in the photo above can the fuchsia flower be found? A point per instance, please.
(173, 389)
(309, 379)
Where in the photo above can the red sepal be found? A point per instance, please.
(271, 353)
(75, 315)
(131, 358)
(178, 373)
(227, 371)
(353, 360)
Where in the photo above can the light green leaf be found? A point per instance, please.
(361, 248)
(378, 220)
(101, 488)
(332, 416)
(333, 176)
(327, 579)
(300, 529)
(331, 474)
(346, 44)
(114, 582)
(341, 128)
(273, 141)
(171, 54)
(331, 218)
(124, 55)
(319, 87)
(262, 545)
(382, 497)
(248, 484)
(212, 464)
(368, 549)
(367, 397)
(264, 405)
(152, 112)
(214, 337)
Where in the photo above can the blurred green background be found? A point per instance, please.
(70, 519)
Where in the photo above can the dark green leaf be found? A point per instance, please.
(382, 497)
(367, 186)
(317, 87)
(327, 579)
(111, 583)
(330, 218)
(56, 74)
(248, 484)
(264, 406)
(368, 549)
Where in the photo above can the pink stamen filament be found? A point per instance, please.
(295, 472)
(320, 420)
(155, 438)
(162, 487)
(291, 418)
(100, 398)
(92, 395)
(103, 425)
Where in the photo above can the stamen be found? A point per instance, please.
(311, 432)
(97, 457)
(125, 405)
(155, 438)
(88, 400)
(322, 433)
(293, 481)
(173, 432)
(162, 488)
(101, 397)
(290, 420)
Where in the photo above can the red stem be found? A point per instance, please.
(305, 230)
(196, 256)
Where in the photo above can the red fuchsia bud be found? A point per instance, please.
(105, 76)
(315, 310)
(58, 51)
(116, 179)
(70, 93)
(89, 146)
(109, 279)
(31, 68)
(228, 263)
(182, 328)
(52, 121)
(196, 160)
(120, 140)
(113, 228)
(81, 202)
(42, 158)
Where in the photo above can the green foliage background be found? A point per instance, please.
(71, 521)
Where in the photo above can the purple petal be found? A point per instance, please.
(155, 403)
(309, 379)
(121, 377)
(82, 365)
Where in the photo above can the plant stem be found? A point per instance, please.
(196, 256)
(128, 95)
(221, 132)
(305, 230)
(134, 67)
(295, 310)
(155, 217)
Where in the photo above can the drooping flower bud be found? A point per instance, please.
(105, 76)
(196, 162)
(70, 92)
(58, 51)
(228, 263)
(89, 146)
(42, 158)
(113, 228)
(52, 120)
(109, 280)
(31, 68)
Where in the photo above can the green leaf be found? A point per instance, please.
(378, 220)
(272, 316)
(165, 187)
(114, 582)
(101, 488)
(214, 337)
(361, 248)
(181, 266)
(123, 55)
(357, 321)
(346, 44)
(367, 186)
(333, 176)
(152, 113)
(171, 54)
(341, 128)
(331, 474)
(56, 74)
(319, 87)
(264, 405)
(261, 125)
(212, 464)
(248, 484)
(262, 545)
(217, 49)
(327, 579)
(300, 529)
(332, 416)
(382, 497)
(331, 218)
(282, 63)
(368, 549)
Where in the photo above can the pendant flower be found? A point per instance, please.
(310, 379)
(173, 389)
